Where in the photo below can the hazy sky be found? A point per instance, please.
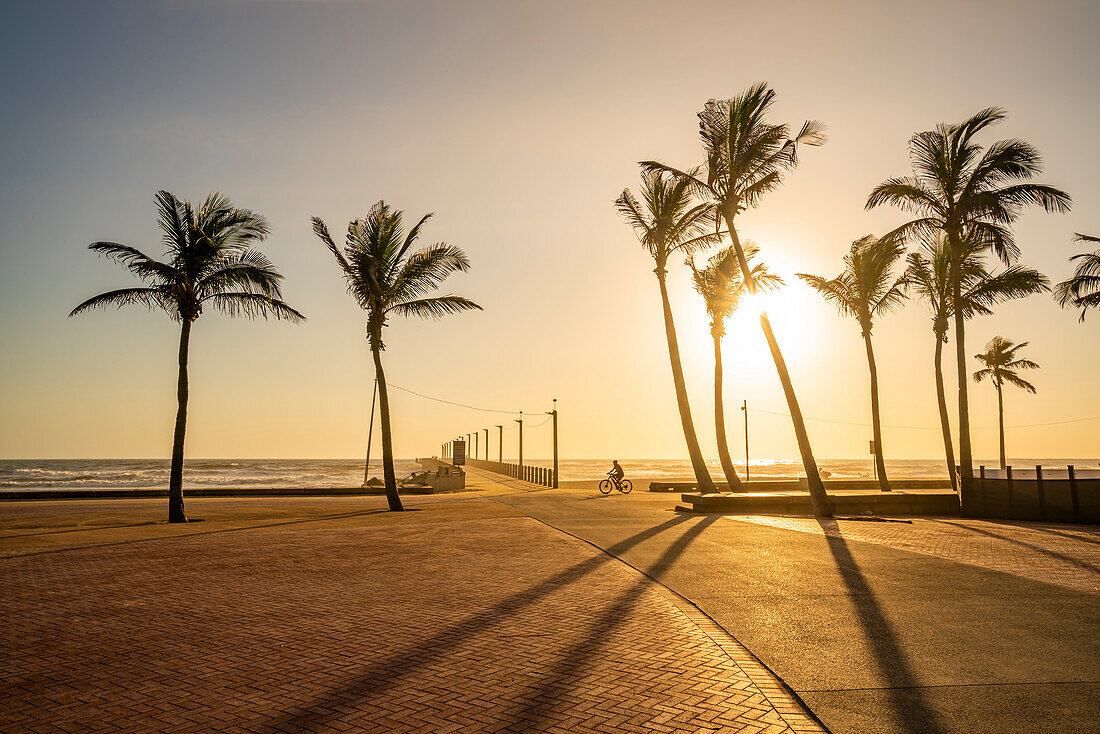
(517, 123)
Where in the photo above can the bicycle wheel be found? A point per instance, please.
(625, 486)
(605, 486)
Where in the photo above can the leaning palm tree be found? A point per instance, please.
(668, 225)
(1001, 364)
(722, 288)
(865, 290)
(1083, 289)
(210, 263)
(747, 157)
(971, 195)
(387, 278)
(927, 278)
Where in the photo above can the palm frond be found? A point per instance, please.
(151, 298)
(253, 305)
(435, 308)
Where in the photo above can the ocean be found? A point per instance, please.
(153, 473)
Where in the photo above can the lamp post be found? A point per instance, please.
(520, 422)
(500, 445)
(745, 407)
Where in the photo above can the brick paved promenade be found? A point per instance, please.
(478, 624)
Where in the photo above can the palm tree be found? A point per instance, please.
(971, 195)
(209, 263)
(722, 288)
(386, 278)
(927, 277)
(746, 157)
(1001, 363)
(669, 225)
(1083, 289)
(867, 289)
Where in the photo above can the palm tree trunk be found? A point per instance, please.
(945, 422)
(392, 497)
(175, 476)
(720, 420)
(966, 458)
(819, 500)
(702, 475)
(1001, 424)
(876, 421)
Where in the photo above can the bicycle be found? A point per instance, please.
(611, 482)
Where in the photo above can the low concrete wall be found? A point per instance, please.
(786, 485)
(535, 474)
(1069, 499)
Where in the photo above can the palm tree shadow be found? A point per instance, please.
(901, 684)
(1038, 549)
(384, 674)
(575, 662)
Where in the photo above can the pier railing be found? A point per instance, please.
(540, 475)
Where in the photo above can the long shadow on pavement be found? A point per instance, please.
(1038, 549)
(913, 711)
(384, 674)
(575, 661)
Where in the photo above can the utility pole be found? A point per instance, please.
(500, 445)
(486, 443)
(745, 407)
(554, 413)
(475, 444)
(520, 422)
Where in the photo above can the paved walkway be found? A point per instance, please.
(1067, 555)
(469, 625)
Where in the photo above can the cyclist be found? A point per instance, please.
(616, 472)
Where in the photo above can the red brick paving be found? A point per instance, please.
(474, 626)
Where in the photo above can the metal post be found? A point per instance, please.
(475, 444)
(745, 407)
(370, 431)
(554, 413)
(520, 422)
(500, 445)
(486, 443)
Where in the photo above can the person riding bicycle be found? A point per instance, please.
(616, 472)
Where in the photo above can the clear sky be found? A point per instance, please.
(517, 123)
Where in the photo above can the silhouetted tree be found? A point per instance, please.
(209, 263)
(865, 290)
(927, 277)
(1001, 364)
(386, 278)
(972, 195)
(746, 157)
(722, 288)
(669, 224)
(1083, 289)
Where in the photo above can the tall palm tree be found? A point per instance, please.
(1001, 363)
(387, 278)
(209, 263)
(927, 278)
(1083, 289)
(722, 288)
(865, 290)
(972, 195)
(747, 157)
(668, 225)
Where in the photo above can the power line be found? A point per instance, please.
(451, 402)
(929, 428)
